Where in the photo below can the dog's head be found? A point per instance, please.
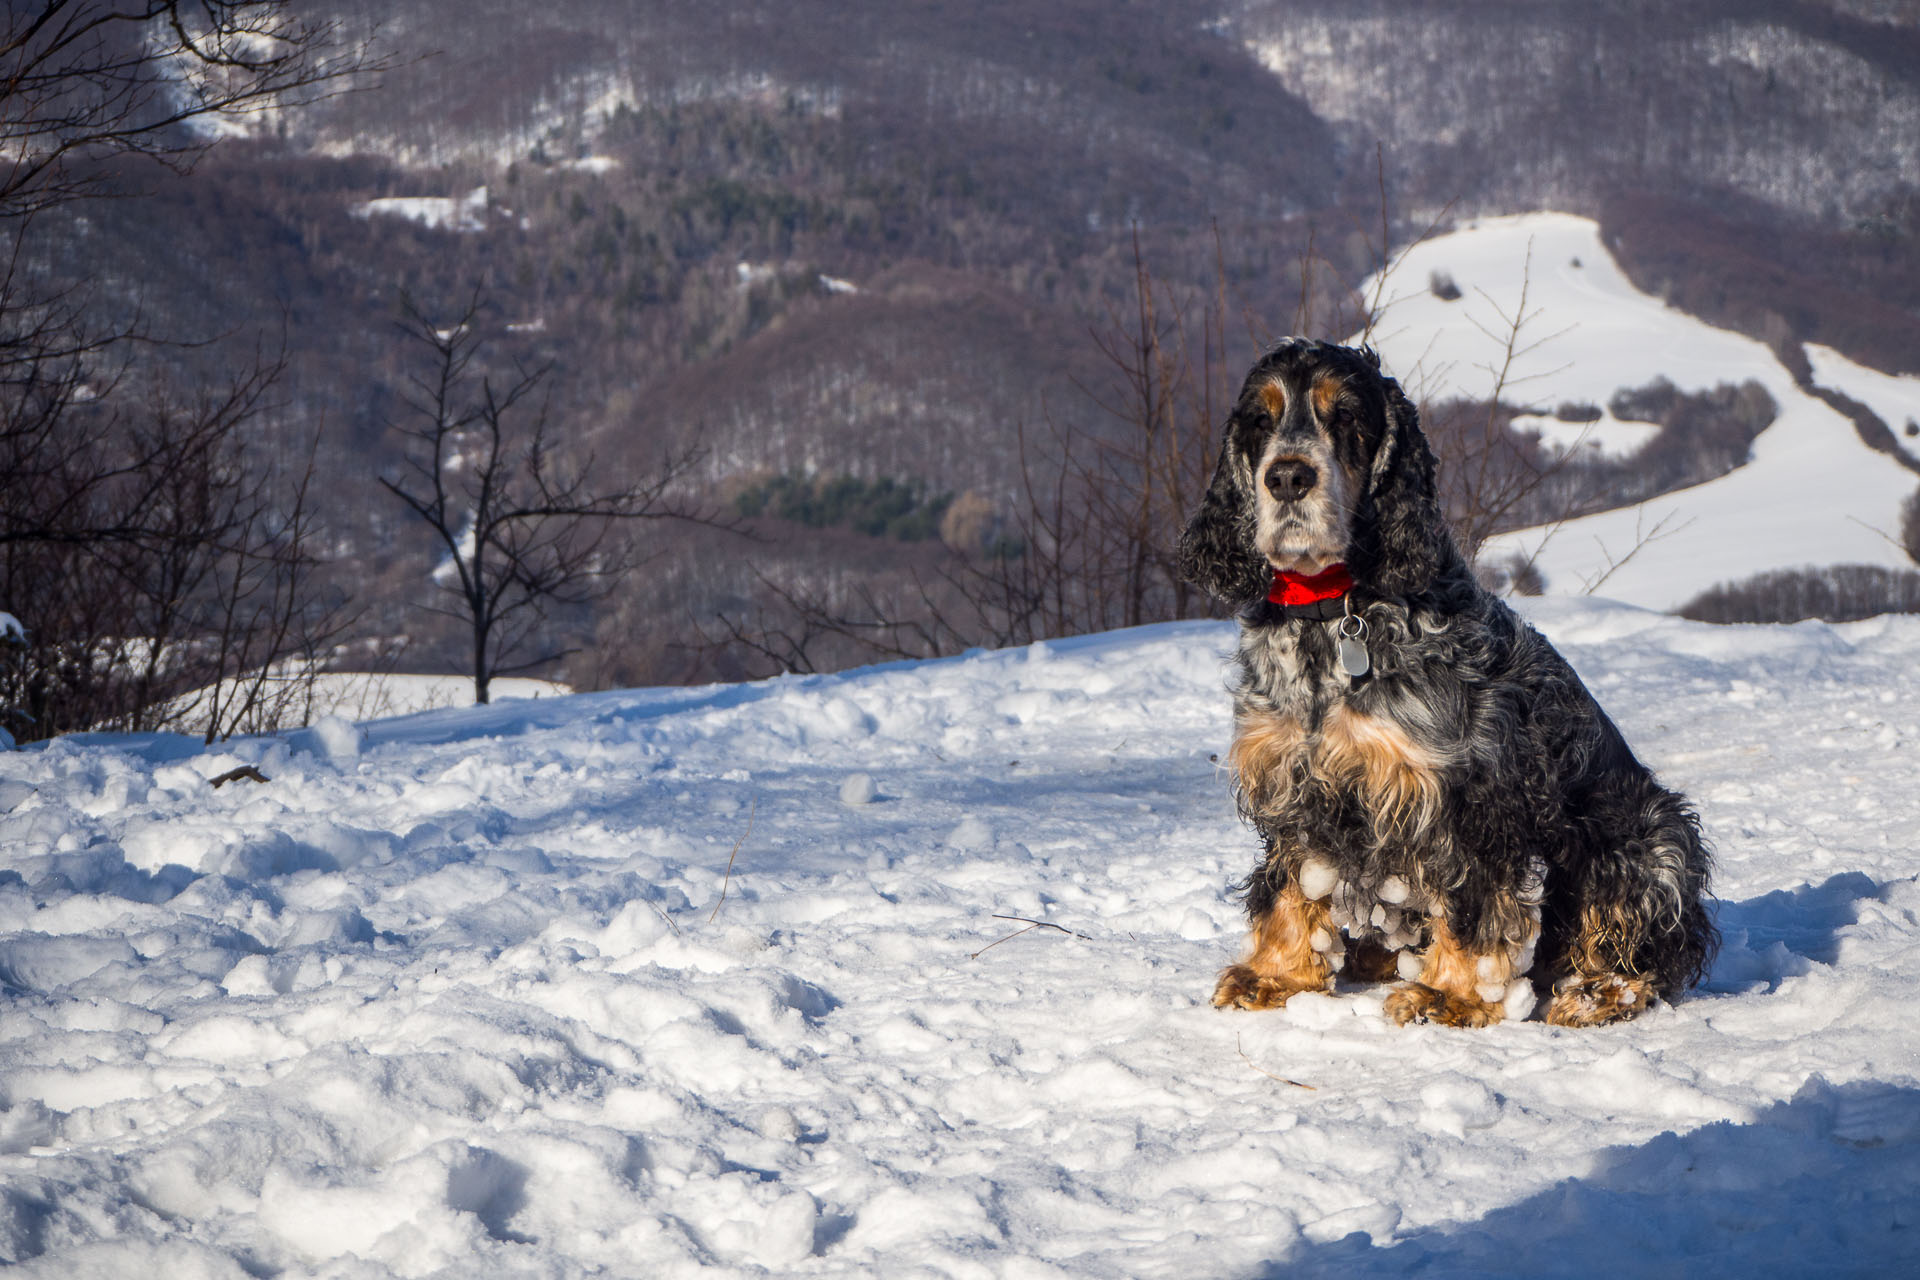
(1323, 462)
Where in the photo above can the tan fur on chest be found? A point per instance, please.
(1398, 778)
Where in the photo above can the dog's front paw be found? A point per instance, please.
(1242, 987)
(1414, 1002)
(1596, 1001)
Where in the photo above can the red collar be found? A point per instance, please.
(1290, 588)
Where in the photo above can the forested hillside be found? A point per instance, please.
(908, 245)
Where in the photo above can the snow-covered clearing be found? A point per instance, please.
(1812, 493)
(439, 213)
(469, 993)
(1894, 397)
(1605, 436)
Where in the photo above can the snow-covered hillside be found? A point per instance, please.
(1813, 493)
(472, 993)
(1895, 398)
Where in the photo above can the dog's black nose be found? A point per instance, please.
(1290, 479)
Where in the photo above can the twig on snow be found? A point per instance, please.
(752, 801)
(669, 919)
(1268, 1074)
(1031, 926)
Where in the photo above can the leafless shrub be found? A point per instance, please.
(164, 562)
(971, 525)
(1491, 477)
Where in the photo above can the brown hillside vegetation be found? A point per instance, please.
(667, 200)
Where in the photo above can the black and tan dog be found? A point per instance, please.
(1440, 799)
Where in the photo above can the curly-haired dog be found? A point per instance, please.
(1439, 797)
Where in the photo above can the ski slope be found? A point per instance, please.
(710, 982)
(1812, 494)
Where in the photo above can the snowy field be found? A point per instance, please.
(1812, 493)
(470, 993)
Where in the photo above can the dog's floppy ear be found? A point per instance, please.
(1401, 541)
(1216, 548)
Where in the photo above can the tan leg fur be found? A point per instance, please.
(1283, 962)
(1454, 984)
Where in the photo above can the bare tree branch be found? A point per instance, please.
(83, 82)
(522, 524)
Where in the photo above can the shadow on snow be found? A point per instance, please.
(1823, 1184)
(1819, 1185)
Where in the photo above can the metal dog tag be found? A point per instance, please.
(1352, 646)
(1353, 657)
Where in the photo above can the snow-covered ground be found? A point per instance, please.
(441, 213)
(1812, 494)
(348, 695)
(1895, 397)
(470, 993)
(1605, 436)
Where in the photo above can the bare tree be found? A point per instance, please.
(523, 527)
(85, 81)
(238, 624)
(142, 532)
(1139, 485)
(1489, 475)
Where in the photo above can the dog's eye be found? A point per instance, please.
(1341, 416)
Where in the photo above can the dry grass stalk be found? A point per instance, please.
(1268, 1074)
(1031, 926)
(728, 878)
